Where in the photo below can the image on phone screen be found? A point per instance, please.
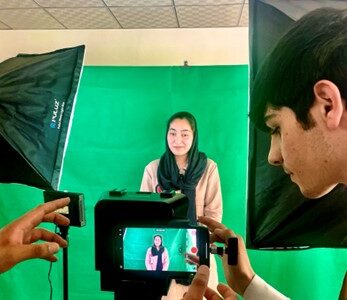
(159, 249)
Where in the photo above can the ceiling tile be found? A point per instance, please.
(206, 2)
(138, 2)
(17, 4)
(28, 19)
(104, 14)
(69, 3)
(85, 18)
(208, 16)
(244, 16)
(146, 17)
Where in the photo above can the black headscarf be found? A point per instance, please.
(169, 177)
(155, 252)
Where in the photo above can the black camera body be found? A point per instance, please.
(127, 218)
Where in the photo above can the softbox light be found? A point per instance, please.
(278, 215)
(37, 98)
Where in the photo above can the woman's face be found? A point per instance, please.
(180, 137)
(157, 241)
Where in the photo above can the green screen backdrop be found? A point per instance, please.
(119, 126)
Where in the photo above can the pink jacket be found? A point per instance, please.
(208, 189)
(151, 261)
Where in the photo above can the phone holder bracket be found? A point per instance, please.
(231, 250)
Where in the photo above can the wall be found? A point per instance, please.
(151, 47)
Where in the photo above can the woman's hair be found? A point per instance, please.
(314, 48)
(182, 115)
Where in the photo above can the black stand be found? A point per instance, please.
(64, 234)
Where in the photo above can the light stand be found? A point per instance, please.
(64, 234)
(75, 213)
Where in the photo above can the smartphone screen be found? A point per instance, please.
(161, 249)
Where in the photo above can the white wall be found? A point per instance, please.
(154, 47)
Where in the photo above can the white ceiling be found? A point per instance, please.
(121, 14)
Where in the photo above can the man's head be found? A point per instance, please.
(315, 48)
(299, 95)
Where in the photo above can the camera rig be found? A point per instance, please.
(118, 208)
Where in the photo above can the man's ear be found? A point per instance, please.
(328, 96)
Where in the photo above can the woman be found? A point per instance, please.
(185, 169)
(157, 258)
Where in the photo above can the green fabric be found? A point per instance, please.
(119, 126)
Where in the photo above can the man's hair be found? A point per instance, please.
(314, 48)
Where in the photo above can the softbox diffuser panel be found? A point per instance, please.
(37, 97)
(278, 215)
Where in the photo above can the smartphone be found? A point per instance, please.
(161, 249)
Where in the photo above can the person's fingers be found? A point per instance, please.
(44, 250)
(199, 283)
(210, 223)
(227, 292)
(18, 253)
(210, 294)
(51, 206)
(192, 259)
(35, 216)
(48, 236)
(212, 227)
(222, 235)
(190, 262)
(56, 218)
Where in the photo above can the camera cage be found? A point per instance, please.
(118, 208)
